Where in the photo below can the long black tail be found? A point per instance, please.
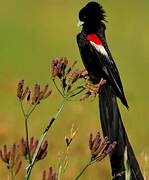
(123, 160)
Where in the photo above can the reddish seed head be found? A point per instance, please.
(76, 74)
(58, 67)
(50, 175)
(20, 88)
(43, 151)
(44, 175)
(25, 93)
(22, 147)
(11, 157)
(91, 141)
(39, 94)
(100, 147)
(28, 95)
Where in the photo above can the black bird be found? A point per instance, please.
(99, 63)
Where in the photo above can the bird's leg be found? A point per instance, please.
(94, 88)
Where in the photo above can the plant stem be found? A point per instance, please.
(26, 130)
(57, 88)
(82, 171)
(26, 116)
(11, 176)
(31, 109)
(27, 139)
(79, 87)
(22, 108)
(83, 88)
(30, 167)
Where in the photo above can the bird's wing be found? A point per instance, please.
(94, 51)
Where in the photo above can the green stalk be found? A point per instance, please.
(30, 167)
(58, 88)
(26, 116)
(27, 139)
(83, 170)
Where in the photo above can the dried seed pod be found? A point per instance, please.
(36, 94)
(90, 141)
(22, 147)
(47, 94)
(45, 90)
(39, 94)
(28, 95)
(21, 94)
(58, 67)
(32, 151)
(5, 155)
(25, 93)
(75, 75)
(12, 158)
(50, 175)
(44, 175)
(99, 147)
(20, 89)
(43, 151)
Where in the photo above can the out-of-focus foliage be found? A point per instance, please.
(34, 32)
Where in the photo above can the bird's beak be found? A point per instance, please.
(80, 23)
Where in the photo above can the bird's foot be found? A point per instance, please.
(95, 88)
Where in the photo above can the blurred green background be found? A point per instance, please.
(32, 33)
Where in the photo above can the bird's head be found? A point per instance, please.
(91, 16)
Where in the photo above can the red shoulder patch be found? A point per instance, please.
(94, 38)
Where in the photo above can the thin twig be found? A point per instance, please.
(79, 87)
(22, 108)
(57, 88)
(83, 88)
(82, 171)
(27, 139)
(63, 89)
(26, 130)
(31, 109)
(26, 117)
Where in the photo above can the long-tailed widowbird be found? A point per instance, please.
(99, 63)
